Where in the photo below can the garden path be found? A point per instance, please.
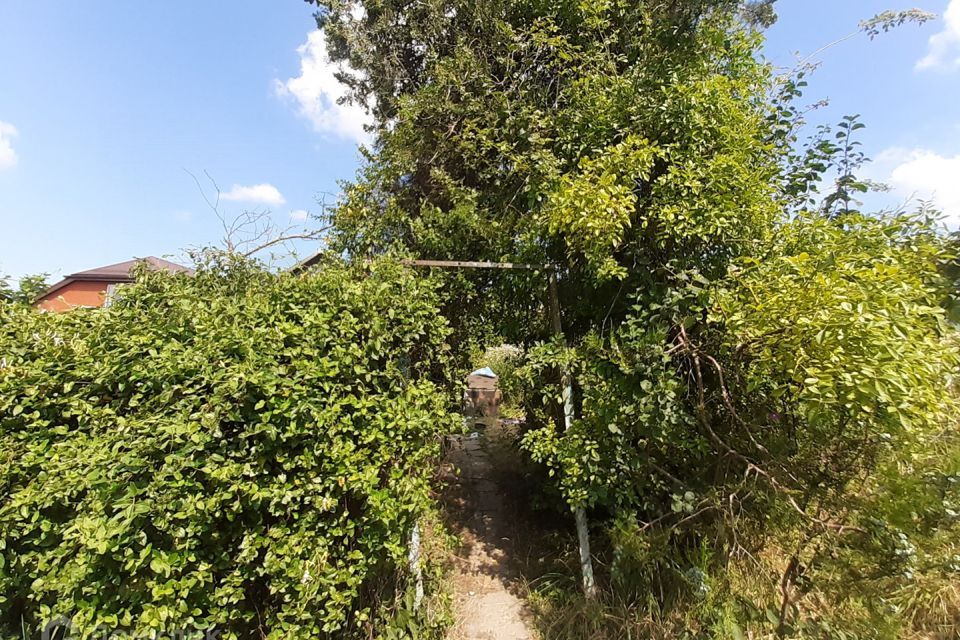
(488, 598)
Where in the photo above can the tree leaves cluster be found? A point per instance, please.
(27, 290)
(237, 451)
(497, 124)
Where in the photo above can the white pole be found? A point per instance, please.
(579, 514)
(413, 555)
(414, 562)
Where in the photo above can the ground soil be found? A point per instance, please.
(480, 501)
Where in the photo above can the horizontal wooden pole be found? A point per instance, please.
(459, 264)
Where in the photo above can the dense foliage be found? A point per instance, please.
(238, 451)
(764, 375)
(504, 123)
(784, 415)
(28, 289)
(760, 369)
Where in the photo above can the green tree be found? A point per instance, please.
(28, 289)
(753, 360)
(498, 123)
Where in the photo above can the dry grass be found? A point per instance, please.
(932, 609)
(929, 609)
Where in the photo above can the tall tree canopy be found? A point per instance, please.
(501, 125)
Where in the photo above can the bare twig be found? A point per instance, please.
(253, 231)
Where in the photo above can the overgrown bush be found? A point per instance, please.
(27, 291)
(778, 448)
(239, 450)
(758, 367)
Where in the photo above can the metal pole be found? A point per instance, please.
(579, 514)
(413, 553)
(467, 264)
(416, 570)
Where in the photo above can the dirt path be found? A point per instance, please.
(487, 603)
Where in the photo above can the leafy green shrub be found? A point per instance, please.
(506, 360)
(755, 364)
(237, 450)
(28, 289)
(800, 403)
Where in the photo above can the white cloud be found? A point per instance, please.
(924, 174)
(317, 93)
(299, 215)
(8, 157)
(259, 193)
(943, 50)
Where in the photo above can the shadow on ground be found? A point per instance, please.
(488, 505)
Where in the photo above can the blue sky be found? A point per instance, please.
(105, 106)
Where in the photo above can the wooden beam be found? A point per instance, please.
(460, 264)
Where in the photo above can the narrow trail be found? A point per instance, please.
(488, 602)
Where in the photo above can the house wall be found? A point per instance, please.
(76, 294)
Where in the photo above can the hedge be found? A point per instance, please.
(237, 451)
